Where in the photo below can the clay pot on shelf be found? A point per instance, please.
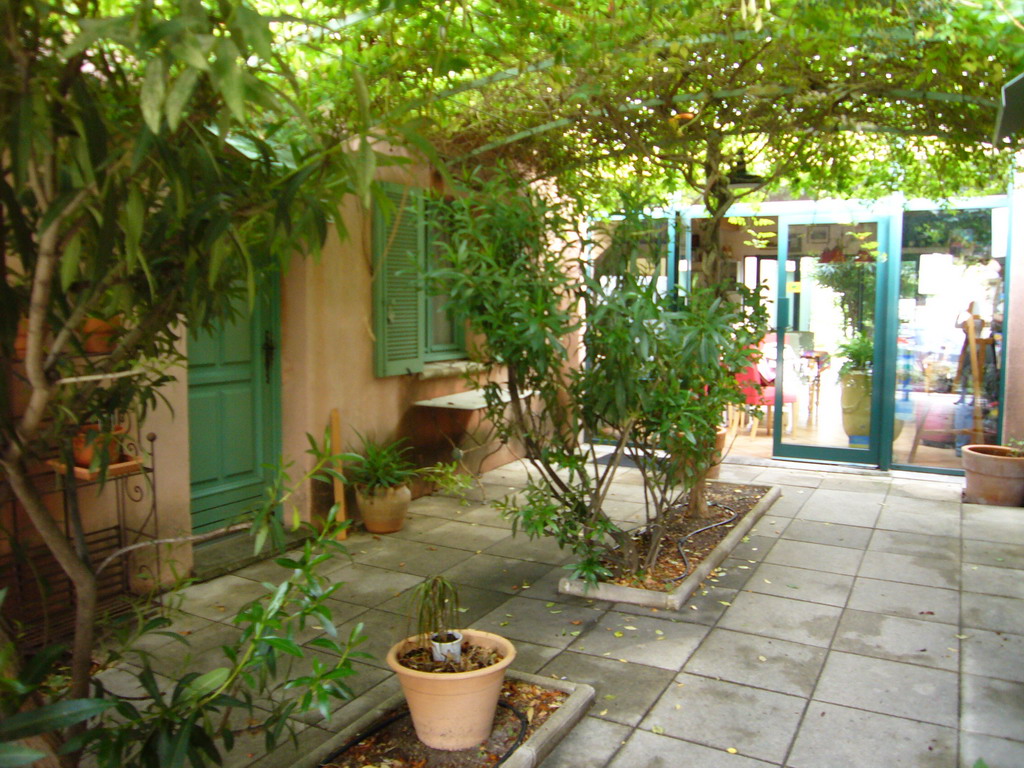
(98, 334)
(89, 440)
(453, 710)
(993, 474)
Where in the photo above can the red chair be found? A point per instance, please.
(749, 380)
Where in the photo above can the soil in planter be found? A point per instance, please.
(473, 657)
(396, 746)
(724, 501)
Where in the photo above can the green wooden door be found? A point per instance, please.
(233, 395)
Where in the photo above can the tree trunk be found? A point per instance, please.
(699, 498)
(81, 575)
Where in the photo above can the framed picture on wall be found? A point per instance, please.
(818, 234)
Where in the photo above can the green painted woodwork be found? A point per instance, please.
(233, 415)
(398, 294)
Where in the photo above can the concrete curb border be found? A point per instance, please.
(674, 600)
(529, 754)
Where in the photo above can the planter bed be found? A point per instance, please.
(674, 599)
(530, 753)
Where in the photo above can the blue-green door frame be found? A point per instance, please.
(889, 233)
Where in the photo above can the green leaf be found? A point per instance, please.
(51, 717)
(69, 261)
(210, 682)
(14, 755)
(178, 96)
(284, 644)
(228, 77)
(154, 87)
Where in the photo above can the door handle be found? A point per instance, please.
(268, 354)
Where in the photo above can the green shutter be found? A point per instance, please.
(398, 253)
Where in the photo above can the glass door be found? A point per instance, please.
(824, 361)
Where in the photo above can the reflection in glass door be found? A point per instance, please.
(951, 310)
(822, 358)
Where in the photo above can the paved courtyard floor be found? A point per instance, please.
(869, 620)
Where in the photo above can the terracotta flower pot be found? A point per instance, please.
(453, 710)
(993, 476)
(97, 334)
(84, 445)
(384, 509)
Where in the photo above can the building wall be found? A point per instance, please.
(327, 355)
(1013, 400)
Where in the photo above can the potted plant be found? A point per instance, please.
(994, 474)
(452, 702)
(855, 381)
(381, 473)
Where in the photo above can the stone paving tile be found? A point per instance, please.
(656, 642)
(369, 586)
(936, 490)
(997, 753)
(993, 654)
(785, 619)
(624, 511)
(798, 478)
(625, 692)
(1007, 582)
(502, 574)
(926, 571)
(999, 524)
(839, 737)
(521, 547)
(738, 473)
(753, 548)
(461, 534)
(485, 514)
(590, 744)
(791, 501)
(531, 657)
(537, 621)
(761, 662)
(993, 553)
(755, 722)
(408, 556)
(707, 606)
(652, 750)
(201, 653)
(993, 707)
(999, 614)
(856, 483)
(915, 544)
(832, 534)
(771, 525)
(220, 598)
(898, 639)
(932, 507)
(801, 584)
(443, 506)
(911, 601)
(940, 522)
(415, 526)
(733, 573)
(889, 688)
(822, 557)
(843, 507)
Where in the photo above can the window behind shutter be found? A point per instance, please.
(398, 248)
